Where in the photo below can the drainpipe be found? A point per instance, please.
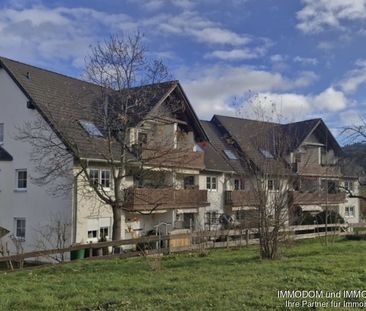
(75, 207)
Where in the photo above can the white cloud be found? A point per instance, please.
(354, 78)
(213, 90)
(40, 34)
(331, 100)
(318, 15)
(191, 24)
(305, 60)
(293, 107)
(276, 58)
(237, 54)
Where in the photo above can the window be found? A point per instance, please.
(230, 154)
(211, 183)
(266, 154)
(92, 234)
(273, 185)
(104, 232)
(90, 128)
(142, 138)
(21, 179)
(1, 133)
(94, 177)
(212, 218)
(239, 184)
(105, 180)
(349, 211)
(100, 177)
(19, 228)
(330, 186)
(189, 182)
(297, 157)
(348, 185)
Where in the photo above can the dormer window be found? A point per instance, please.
(90, 128)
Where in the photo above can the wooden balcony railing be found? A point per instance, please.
(147, 199)
(180, 158)
(318, 197)
(310, 169)
(237, 198)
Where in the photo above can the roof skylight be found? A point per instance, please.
(90, 128)
(230, 154)
(266, 154)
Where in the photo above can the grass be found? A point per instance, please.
(224, 280)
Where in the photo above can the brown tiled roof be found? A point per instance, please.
(251, 136)
(63, 101)
(4, 155)
(214, 157)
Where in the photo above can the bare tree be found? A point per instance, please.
(117, 104)
(54, 235)
(273, 172)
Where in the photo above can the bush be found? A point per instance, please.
(333, 218)
(307, 219)
(356, 237)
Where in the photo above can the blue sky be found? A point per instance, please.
(306, 58)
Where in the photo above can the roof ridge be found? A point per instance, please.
(307, 120)
(48, 70)
(78, 79)
(245, 119)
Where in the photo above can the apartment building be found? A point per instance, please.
(204, 187)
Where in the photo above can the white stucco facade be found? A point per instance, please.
(35, 204)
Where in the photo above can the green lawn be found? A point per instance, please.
(224, 280)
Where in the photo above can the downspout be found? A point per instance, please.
(75, 208)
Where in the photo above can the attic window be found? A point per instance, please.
(266, 154)
(230, 154)
(90, 128)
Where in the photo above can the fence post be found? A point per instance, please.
(247, 237)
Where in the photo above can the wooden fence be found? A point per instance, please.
(171, 243)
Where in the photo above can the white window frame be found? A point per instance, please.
(349, 185)
(93, 180)
(211, 183)
(348, 213)
(100, 180)
(2, 133)
(16, 219)
(17, 171)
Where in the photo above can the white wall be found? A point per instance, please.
(36, 205)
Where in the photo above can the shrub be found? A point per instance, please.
(333, 218)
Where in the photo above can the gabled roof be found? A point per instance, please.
(214, 157)
(256, 139)
(297, 132)
(63, 101)
(4, 155)
(253, 138)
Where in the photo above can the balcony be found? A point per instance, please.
(312, 169)
(317, 198)
(178, 158)
(238, 198)
(147, 199)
